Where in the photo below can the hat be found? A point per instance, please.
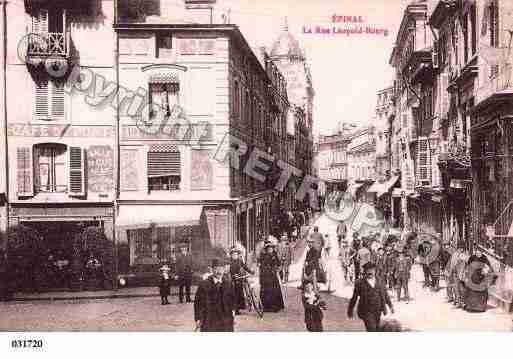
(269, 244)
(235, 250)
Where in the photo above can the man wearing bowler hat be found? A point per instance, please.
(214, 304)
(372, 299)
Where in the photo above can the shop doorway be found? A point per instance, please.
(59, 258)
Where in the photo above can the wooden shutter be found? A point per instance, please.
(423, 162)
(444, 95)
(25, 172)
(41, 107)
(57, 100)
(49, 100)
(40, 21)
(76, 171)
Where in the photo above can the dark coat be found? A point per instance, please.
(214, 305)
(313, 312)
(165, 287)
(184, 266)
(373, 301)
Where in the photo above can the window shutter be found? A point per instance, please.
(163, 160)
(444, 95)
(76, 171)
(41, 108)
(423, 163)
(57, 100)
(25, 172)
(40, 21)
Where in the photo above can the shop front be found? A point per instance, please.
(150, 236)
(61, 247)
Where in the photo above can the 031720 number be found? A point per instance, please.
(26, 343)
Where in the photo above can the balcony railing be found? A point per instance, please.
(47, 44)
(500, 81)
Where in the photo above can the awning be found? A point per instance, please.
(142, 216)
(385, 187)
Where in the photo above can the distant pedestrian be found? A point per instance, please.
(313, 308)
(270, 288)
(341, 232)
(317, 239)
(184, 274)
(381, 269)
(285, 254)
(402, 275)
(214, 303)
(345, 258)
(372, 299)
(390, 260)
(164, 285)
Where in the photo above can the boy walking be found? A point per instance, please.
(313, 308)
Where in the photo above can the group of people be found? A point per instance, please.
(182, 272)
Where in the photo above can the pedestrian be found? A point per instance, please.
(460, 276)
(381, 270)
(327, 245)
(237, 268)
(422, 250)
(214, 303)
(313, 308)
(184, 273)
(480, 276)
(270, 289)
(259, 246)
(345, 258)
(364, 255)
(317, 239)
(311, 265)
(390, 263)
(285, 253)
(450, 277)
(354, 255)
(402, 275)
(372, 299)
(165, 284)
(341, 232)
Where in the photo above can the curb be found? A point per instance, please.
(92, 297)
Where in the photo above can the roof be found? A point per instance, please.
(286, 45)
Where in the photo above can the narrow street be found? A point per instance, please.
(427, 310)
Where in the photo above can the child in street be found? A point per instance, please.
(313, 308)
(165, 284)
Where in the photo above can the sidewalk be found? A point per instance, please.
(133, 292)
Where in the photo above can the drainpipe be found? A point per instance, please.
(3, 116)
(117, 149)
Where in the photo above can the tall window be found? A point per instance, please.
(49, 100)
(163, 96)
(164, 168)
(50, 168)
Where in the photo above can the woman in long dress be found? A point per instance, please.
(480, 276)
(270, 291)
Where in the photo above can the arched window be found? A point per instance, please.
(164, 168)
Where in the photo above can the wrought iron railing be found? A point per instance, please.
(48, 44)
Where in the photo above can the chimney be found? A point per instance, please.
(200, 11)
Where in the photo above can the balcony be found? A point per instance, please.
(48, 45)
(499, 85)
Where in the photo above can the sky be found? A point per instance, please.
(347, 70)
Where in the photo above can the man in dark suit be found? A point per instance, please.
(373, 299)
(214, 304)
(184, 274)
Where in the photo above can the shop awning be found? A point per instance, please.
(385, 187)
(142, 216)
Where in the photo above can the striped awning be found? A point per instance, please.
(164, 78)
(163, 160)
(143, 216)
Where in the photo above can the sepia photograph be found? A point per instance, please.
(193, 166)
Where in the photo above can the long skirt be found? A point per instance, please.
(270, 292)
